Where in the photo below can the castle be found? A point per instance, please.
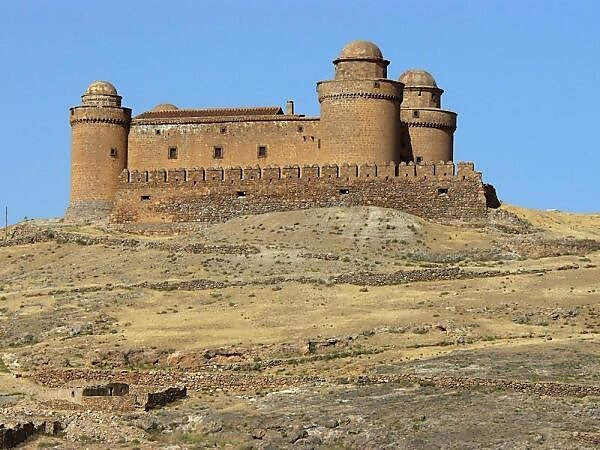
(377, 142)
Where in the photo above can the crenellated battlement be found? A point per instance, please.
(306, 173)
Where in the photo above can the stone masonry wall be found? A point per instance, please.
(359, 121)
(437, 191)
(288, 140)
(429, 135)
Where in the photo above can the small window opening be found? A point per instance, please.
(376, 84)
(172, 152)
(344, 191)
(419, 94)
(419, 159)
(113, 152)
(262, 151)
(145, 197)
(72, 393)
(157, 131)
(415, 113)
(300, 129)
(241, 194)
(223, 130)
(442, 191)
(110, 391)
(218, 153)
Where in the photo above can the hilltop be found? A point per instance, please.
(356, 327)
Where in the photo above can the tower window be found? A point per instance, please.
(300, 129)
(419, 159)
(217, 152)
(145, 198)
(344, 191)
(415, 113)
(113, 152)
(442, 191)
(223, 130)
(157, 132)
(419, 94)
(172, 152)
(262, 151)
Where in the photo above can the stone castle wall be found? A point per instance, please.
(99, 154)
(288, 140)
(440, 191)
(428, 134)
(360, 121)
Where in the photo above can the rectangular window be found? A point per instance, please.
(345, 191)
(241, 194)
(217, 152)
(145, 197)
(300, 129)
(443, 191)
(157, 131)
(113, 152)
(262, 151)
(419, 159)
(415, 113)
(223, 130)
(172, 152)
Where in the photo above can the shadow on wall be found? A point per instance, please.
(406, 150)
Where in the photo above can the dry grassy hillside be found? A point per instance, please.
(328, 328)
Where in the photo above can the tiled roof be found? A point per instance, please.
(212, 112)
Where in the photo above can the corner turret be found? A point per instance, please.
(99, 132)
(360, 108)
(427, 130)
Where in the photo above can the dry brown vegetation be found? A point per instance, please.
(439, 336)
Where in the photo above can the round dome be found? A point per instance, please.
(417, 77)
(101, 88)
(165, 107)
(361, 50)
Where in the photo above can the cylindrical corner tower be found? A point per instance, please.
(99, 131)
(427, 130)
(360, 108)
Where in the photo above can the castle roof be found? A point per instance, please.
(101, 88)
(361, 50)
(165, 107)
(169, 113)
(417, 78)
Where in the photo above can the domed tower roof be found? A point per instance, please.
(417, 78)
(102, 88)
(101, 93)
(360, 60)
(360, 50)
(165, 107)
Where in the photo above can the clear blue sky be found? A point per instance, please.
(523, 75)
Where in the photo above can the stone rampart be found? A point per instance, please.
(439, 191)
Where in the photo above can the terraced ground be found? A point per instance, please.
(328, 328)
